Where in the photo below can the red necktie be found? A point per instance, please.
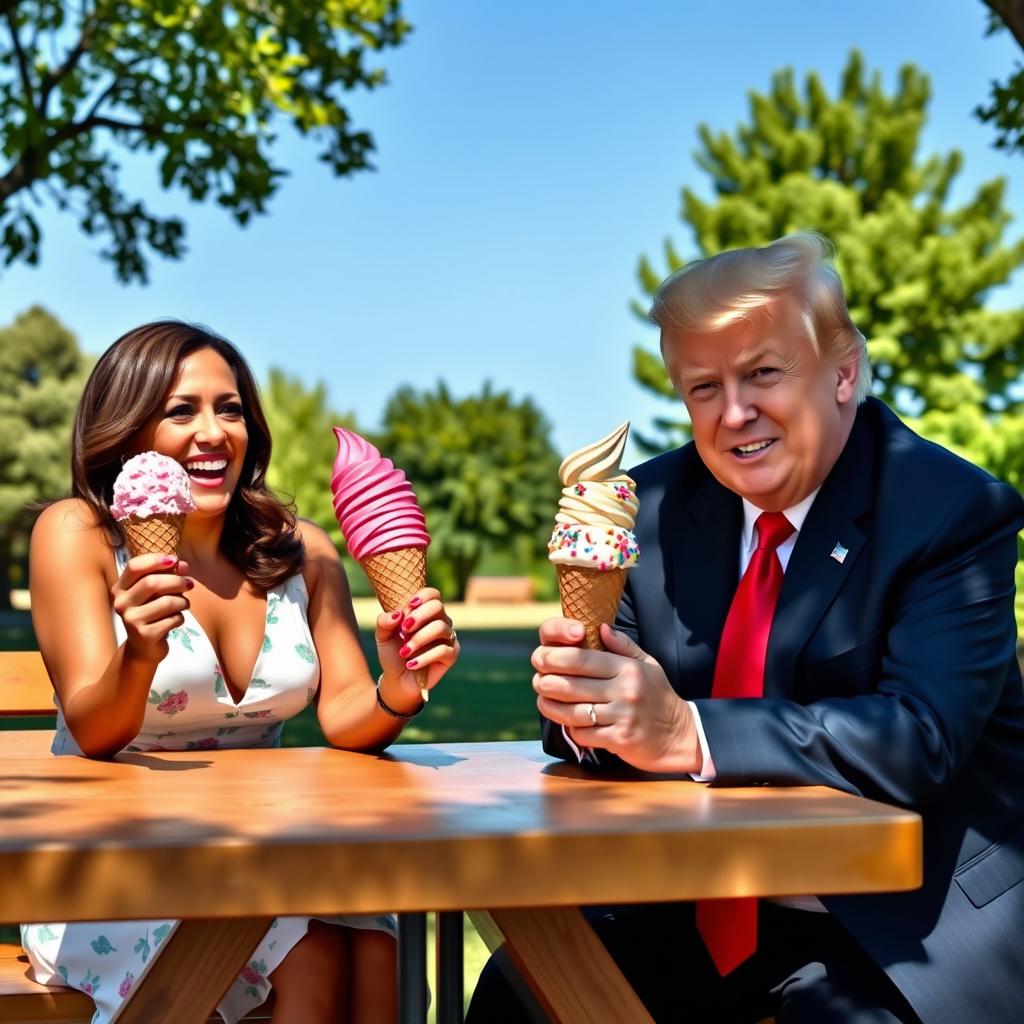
(729, 926)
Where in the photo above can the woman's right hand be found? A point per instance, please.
(149, 595)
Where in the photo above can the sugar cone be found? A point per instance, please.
(159, 534)
(590, 596)
(395, 576)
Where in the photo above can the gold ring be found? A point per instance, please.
(592, 714)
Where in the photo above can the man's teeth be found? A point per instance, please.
(207, 466)
(755, 447)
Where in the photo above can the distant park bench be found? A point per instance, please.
(499, 590)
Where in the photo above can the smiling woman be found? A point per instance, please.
(214, 649)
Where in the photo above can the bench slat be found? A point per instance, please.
(22, 999)
(24, 685)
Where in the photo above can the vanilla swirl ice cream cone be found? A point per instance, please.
(152, 494)
(593, 545)
(382, 523)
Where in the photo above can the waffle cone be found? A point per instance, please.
(159, 534)
(395, 576)
(590, 596)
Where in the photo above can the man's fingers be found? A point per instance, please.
(559, 632)
(569, 689)
(592, 736)
(619, 643)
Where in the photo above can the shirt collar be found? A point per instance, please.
(796, 515)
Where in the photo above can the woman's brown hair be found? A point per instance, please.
(125, 389)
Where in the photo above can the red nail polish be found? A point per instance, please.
(404, 652)
(411, 664)
(396, 615)
(408, 624)
(168, 560)
(189, 583)
(416, 602)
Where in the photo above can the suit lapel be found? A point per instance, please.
(705, 569)
(819, 566)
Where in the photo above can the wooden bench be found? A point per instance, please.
(499, 590)
(25, 692)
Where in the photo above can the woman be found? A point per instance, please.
(215, 650)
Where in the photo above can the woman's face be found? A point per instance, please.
(202, 426)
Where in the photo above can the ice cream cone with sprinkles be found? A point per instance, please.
(593, 546)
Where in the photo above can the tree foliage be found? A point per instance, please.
(200, 87)
(1005, 107)
(42, 373)
(483, 469)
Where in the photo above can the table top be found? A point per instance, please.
(421, 827)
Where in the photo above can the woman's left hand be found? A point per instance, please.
(416, 640)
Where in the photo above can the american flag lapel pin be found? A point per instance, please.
(839, 553)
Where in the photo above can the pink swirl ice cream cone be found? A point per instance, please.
(152, 494)
(382, 523)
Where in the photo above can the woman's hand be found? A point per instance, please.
(150, 598)
(417, 640)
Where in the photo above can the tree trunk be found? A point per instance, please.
(1012, 13)
(5, 569)
(463, 570)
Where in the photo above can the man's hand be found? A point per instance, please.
(618, 700)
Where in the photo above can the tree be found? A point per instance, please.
(916, 270)
(202, 87)
(42, 373)
(1005, 109)
(483, 469)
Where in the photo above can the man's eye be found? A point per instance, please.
(765, 372)
(703, 387)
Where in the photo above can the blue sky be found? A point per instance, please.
(528, 154)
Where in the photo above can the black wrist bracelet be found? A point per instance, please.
(382, 704)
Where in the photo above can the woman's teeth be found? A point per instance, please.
(206, 467)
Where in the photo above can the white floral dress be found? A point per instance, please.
(190, 708)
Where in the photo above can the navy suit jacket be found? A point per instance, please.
(891, 674)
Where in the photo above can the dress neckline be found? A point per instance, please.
(253, 675)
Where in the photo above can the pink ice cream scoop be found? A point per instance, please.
(373, 501)
(151, 484)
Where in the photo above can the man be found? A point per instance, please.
(869, 615)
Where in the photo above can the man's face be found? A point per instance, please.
(770, 417)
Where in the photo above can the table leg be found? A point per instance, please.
(412, 968)
(196, 965)
(449, 972)
(563, 963)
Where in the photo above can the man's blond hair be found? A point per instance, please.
(710, 294)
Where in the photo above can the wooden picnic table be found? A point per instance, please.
(226, 840)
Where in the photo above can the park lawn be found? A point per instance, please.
(486, 696)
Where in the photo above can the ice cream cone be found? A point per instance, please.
(395, 576)
(158, 534)
(590, 596)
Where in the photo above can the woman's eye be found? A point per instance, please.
(179, 412)
(231, 409)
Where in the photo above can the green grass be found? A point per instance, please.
(486, 696)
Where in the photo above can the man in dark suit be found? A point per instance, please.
(881, 585)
